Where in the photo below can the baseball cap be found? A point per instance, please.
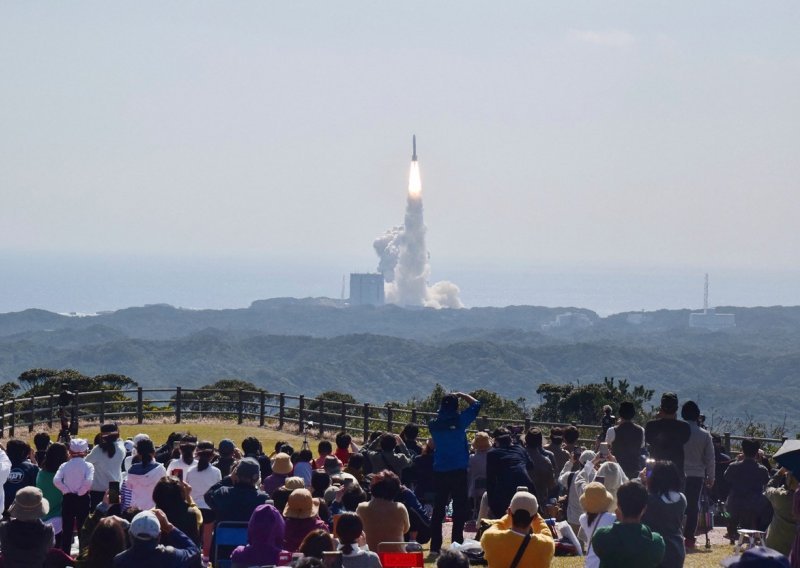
(247, 468)
(757, 557)
(145, 526)
(523, 500)
(78, 446)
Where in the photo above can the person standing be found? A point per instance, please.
(665, 508)
(22, 472)
(560, 455)
(74, 479)
(626, 440)
(699, 467)
(450, 463)
(507, 467)
(107, 458)
(666, 435)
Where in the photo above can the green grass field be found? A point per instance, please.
(204, 430)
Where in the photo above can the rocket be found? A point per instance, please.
(414, 147)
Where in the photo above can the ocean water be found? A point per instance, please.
(73, 283)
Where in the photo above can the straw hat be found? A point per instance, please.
(301, 505)
(29, 505)
(293, 483)
(596, 499)
(282, 464)
(481, 441)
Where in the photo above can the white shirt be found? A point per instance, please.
(74, 476)
(202, 481)
(178, 463)
(106, 469)
(5, 469)
(602, 520)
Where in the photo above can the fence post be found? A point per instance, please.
(321, 416)
(482, 422)
(50, 409)
(240, 407)
(366, 422)
(281, 410)
(139, 405)
(343, 416)
(413, 415)
(727, 442)
(389, 418)
(13, 422)
(33, 406)
(301, 409)
(527, 425)
(2, 418)
(262, 407)
(178, 396)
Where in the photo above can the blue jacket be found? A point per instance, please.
(449, 432)
(179, 552)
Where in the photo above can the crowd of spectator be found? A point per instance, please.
(631, 497)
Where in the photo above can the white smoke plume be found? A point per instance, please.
(404, 260)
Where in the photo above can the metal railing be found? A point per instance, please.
(276, 410)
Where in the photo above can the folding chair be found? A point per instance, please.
(394, 555)
(227, 536)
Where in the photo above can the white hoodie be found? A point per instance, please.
(141, 485)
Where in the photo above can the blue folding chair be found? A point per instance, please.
(227, 536)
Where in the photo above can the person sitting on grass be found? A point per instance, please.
(350, 531)
(628, 542)
(177, 550)
(597, 502)
(25, 540)
(301, 516)
(316, 543)
(109, 538)
(265, 534)
(174, 498)
(324, 449)
(746, 504)
(237, 502)
(523, 532)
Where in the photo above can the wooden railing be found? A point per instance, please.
(276, 410)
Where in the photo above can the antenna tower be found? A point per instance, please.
(705, 296)
(343, 287)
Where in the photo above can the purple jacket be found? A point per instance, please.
(273, 482)
(265, 533)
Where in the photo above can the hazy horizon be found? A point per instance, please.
(74, 283)
(207, 155)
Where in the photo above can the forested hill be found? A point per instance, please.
(393, 354)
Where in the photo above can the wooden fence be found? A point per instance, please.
(276, 410)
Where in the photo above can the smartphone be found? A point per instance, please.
(176, 445)
(648, 465)
(603, 449)
(113, 492)
(178, 472)
(600, 479)
(332, 559)
(347, 481)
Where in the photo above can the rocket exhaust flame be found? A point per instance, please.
(404, 259)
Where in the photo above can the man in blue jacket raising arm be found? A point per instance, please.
(450, 462)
